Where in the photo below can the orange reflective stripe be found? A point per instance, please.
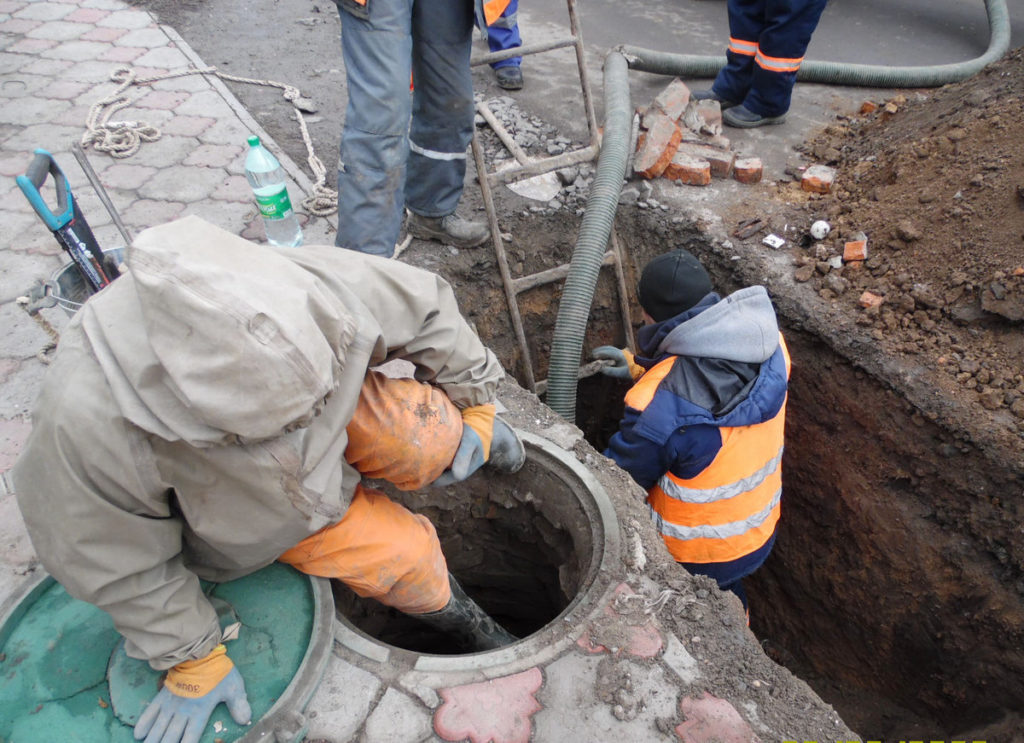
(717, 512)
(380, 550)
(493, 10)
(641, 393)
(403, 431)
(739, 46)
(777, 64)
(704, 550)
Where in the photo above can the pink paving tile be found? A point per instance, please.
(188, 126)
(63, 90)
(122, 54)
(127, 176)
(10, 7)
(167, 100)
(495, 711)
(642, 640)
(103, 34)
(213, 155)
(30, 46)
(18, 25)
(87, 15)
(712, 720)
(233, 188)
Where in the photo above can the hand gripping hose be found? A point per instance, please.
(578, 293)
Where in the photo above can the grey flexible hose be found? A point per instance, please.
(578, 293)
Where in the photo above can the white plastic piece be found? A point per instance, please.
(773, 241)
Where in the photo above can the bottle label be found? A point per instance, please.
(275, 205)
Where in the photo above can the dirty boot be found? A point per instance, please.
(710, 95)
(507, 451)
(509, 78)
(474, 630)
(450, 229)
(743, 118)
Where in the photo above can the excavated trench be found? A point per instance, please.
(894, 589)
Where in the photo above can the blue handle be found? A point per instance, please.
(32, 181)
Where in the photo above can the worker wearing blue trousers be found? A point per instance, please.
(767, 42)
(388, 163)
(503, 34)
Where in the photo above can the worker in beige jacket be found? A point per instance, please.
(211, 411)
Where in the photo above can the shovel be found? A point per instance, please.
(67, 224)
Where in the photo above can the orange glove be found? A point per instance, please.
(481, 419)
(196, 678)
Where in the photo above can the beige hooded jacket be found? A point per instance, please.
(193, 420)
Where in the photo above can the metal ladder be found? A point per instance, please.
(527, 167)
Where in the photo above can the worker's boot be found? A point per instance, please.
(507, 451)
(473, 629)
(711, 95)
(450, 229)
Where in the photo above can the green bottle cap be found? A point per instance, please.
(254, 141)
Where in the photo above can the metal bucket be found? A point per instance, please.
(68, 286)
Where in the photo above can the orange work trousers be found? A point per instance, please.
(405, 432)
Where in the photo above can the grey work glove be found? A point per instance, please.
(620, 368)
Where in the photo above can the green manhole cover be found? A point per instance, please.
(64, 675)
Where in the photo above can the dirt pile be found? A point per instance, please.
(936, 183)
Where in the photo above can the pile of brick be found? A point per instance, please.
(681, 139)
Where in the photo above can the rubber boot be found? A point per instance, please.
(474, 630)
(507, 451)
(450, 229)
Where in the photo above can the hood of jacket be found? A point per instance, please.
(742, 328)
(211, 339)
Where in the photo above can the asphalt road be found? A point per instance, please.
(297, 42)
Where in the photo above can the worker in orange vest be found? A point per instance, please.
(767, 41)
(702, 431)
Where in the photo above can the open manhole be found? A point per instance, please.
(527, 547)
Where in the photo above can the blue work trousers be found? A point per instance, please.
(773, 35)
(504, 34)
(400, 147)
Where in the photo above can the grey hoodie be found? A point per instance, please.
(193, 421)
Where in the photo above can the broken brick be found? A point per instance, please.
(748, 170)
(711, 112)
(855, 250)
(818, 179)
(658, 148)
(688, 169)
(673, 99)
(721, 161)
(868, 107)
(870, 299)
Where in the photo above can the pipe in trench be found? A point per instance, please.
(592, 240)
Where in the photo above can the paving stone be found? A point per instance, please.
(498, 710)
(709, 719)
(234, 188)
(92, 71)
(165, 99)
(52, 137)
(76, 51)
(126, 175)
(210, 103)
(122, 54)
(6, 6)
(20, 268)
(166, 57)
(32, 46)
(50, 67)
(12, 440)
(181, 183)
(341, 702)
(103, 34)
(193, 83)
(44, 11)
(678, 658)
(63, 89)
(19, 556)
(87, 15)
(147, 213)
(21, 84)
(146, 37)
(396, 717)
(58, 31)
(103, 4)
(18, 25)
(168, 150)
(214, 155)
(227, 131)
(126, 19)
(188, 126)
(230, 216)
(21, 338)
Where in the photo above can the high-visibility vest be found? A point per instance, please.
(731, 508)
(493, 10)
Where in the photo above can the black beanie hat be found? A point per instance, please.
(672, 283)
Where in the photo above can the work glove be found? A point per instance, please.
(622, 366)
(474, 447)
(180, 710)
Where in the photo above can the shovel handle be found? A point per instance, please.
(30, 183)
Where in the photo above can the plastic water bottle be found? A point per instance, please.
(266, 177)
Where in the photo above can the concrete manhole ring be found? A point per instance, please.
(576, 520)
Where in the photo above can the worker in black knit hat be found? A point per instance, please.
(702, 431)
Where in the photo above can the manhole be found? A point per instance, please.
(527, 547)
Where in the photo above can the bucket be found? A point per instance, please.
(69, 286)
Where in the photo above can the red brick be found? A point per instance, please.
(693, 171)
(673, 99)
(748, 170)
(711, 112)
(658, 148)
(868, 107)
(855, 250)
(708, 719)
(870, 299)
(818, 179)
(721, 161)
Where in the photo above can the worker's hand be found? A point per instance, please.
(181, 709)
(475, 446)
(622, 366)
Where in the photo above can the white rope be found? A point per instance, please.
(123, 138)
